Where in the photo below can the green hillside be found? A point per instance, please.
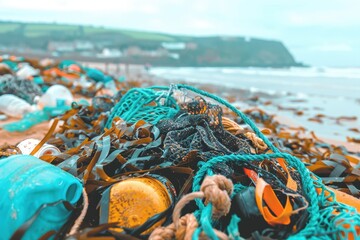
(199, 51)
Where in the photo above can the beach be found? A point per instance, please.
(130, 134)
(168, 120)
(294, 103)
(313, 97)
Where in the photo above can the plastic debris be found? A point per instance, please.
(181, 163)
(33, 197)
(26, 71)
(56, 95)
(13, 106)
(27, 146)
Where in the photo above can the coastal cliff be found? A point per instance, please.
(138, 47)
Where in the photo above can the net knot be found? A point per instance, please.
(217, 190)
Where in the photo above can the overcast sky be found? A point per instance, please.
(318, 32)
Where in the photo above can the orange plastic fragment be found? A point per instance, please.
(265, 193)
(281, 214)
(59, 73)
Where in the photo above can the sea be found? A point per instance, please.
(330, 92)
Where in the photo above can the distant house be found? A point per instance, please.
(191, 45)
(133, 51)
(247, 39)
(161, 52)
(137, 51)
(174, 55)
(173, 45)
(110, 53)
(84, 45)
(61, 46)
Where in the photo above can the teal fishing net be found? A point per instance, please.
(33, 118)
(328, 219)
(29, 120)
(145, 104)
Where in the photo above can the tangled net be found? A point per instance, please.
(242, 185)
(24, 89)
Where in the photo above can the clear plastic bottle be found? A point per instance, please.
(14, 106)
(54, 95)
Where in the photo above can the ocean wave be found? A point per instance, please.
(331, 82)
(311, 72)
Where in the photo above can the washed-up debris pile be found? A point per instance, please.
(41, 90)
(162, 163)
(176, 163)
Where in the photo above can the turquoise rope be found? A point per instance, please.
(318, 218)
(133, 106)
(196, 234)
(203, 220)
(309, 189)
(206, 222)
(233, 228)
(309, 181)
(237, 188)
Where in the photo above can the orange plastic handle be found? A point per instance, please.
(291, 183)
(264, 192)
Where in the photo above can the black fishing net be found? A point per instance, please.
(186, 133)
(21, 88)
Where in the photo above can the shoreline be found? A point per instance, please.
(330, 116)
(182, 133)
(138, 74)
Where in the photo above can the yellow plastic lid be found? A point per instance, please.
(133, 201)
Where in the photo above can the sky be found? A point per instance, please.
(317, 32)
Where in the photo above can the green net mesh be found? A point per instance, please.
(33, 118)
(328, 218)
(29, 120)
(145, 104)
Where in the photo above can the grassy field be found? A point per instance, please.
(39, 30)
(7, 27)
(147, 36)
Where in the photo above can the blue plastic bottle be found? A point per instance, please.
(26, 183)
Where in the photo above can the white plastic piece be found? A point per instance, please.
(27, 71)
(53, 95)
(111, 86)
(28, 145)
(14, 106)
(46, 62)
(83, 82)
